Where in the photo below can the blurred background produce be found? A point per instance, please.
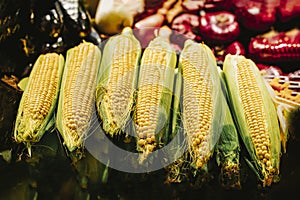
(266, 31)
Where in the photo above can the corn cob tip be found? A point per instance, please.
(146, 151)
(271, 177)
(201, 161)
(230, 175)
(146, 146)
(28, 132)
(164, 32)
(127, 30)
(188, 42)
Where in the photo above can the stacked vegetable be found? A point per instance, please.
(213, 108)
(144, 98)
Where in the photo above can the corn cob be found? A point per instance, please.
(202, 103)
(197, 67)
(274, 47)
(39, 99)
(76, 100)
(256, 117)
(228, 148)
(117, 81)
(154, 93)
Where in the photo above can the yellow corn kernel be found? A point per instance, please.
(39, 98)
(76, 101)
(117, 81)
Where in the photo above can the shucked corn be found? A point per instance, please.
(202, 105)
(117, 81)
(39, 99)
(154, 93)
(256, 117)
(77, 96)
(199, 104)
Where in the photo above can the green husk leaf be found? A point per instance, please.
(23, 83)
(177, 171)
(228, 149)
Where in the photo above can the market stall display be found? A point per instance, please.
(204, 95)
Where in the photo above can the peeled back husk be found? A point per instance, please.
(116, 85)
(39, 99)
(77, 96)
(255, 115)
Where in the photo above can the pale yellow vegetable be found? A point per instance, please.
(154, 93)
(116, 86)
(77, 95)
(39, 99)
(202, 104)
(255, 115)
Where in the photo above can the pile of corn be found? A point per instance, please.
(152, 96)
